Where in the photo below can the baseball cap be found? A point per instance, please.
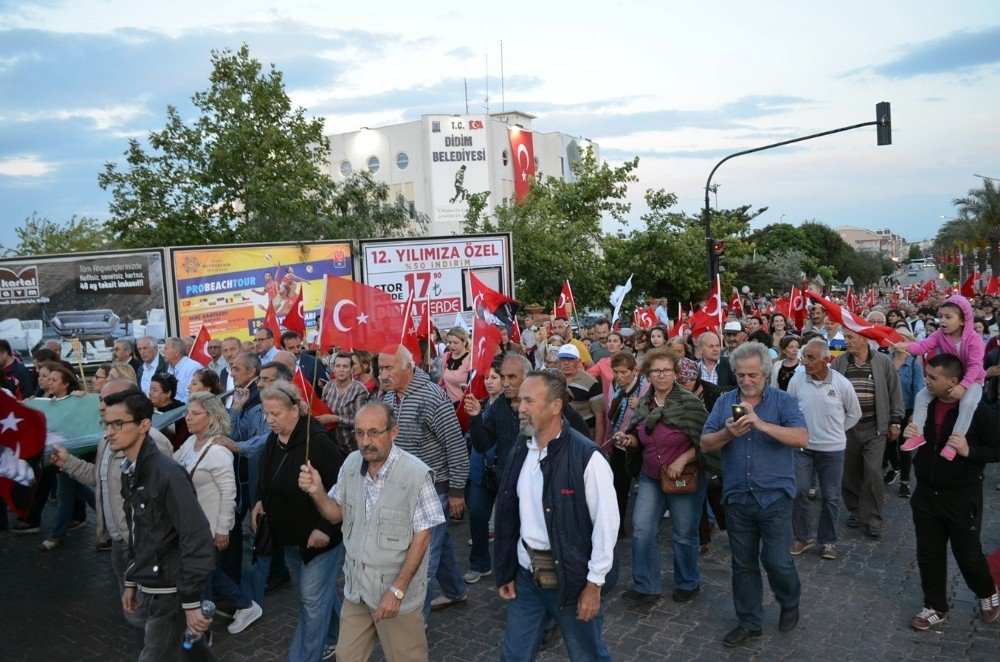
(733, 327)
(568, 351)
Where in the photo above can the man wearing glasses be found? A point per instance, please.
(386, 499)
(263, 344)
(757, 427)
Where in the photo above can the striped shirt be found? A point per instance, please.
(861, 379)
(345, 405)
(429, 429)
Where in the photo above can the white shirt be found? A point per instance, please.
(269, 355)
(147, 374)
(601, 502)
(217, 365)
(830, 407)
(183, 371)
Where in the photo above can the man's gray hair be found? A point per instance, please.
(250, 361)
(127, 343)
(751, 350)
(519, 359)
(387, 411)
(178, 344)
(824, 347)
(285, 373)
(406, 361)
(697, 341)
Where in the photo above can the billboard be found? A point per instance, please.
(92, 297)
(437, 270)
(229, 287)
(457, 161)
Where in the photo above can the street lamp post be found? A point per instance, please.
(882, 120)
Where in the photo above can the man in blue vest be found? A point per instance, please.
(555, 529)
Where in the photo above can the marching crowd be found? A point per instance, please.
(738, 431)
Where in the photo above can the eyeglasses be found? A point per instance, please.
(371, 434)
(116, 425)
(661, 372)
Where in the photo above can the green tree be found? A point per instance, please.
(248, 168)
(915, 252)
(557, 231)
(40, 236)
(982, 209)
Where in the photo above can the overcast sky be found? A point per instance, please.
(678, 84)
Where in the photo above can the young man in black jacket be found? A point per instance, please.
(948, 502)
(171, 551)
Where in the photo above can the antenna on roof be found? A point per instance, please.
(487, 82)
(503, 100)
(465, 81)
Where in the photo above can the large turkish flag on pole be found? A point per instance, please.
(199, 351)
(295, 319)
(883, 335)
(357, 316)
(522, 152)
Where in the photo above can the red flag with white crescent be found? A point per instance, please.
(968, 288)
(485, 341)
(565, 304)
(22, 442)
(883, 335)
(799, 307)
(491, 305)
(271, 322)
(992, 287)
(851, 303)
(645, 318)
(522, 151)
(410, 337)
(199, 351)
(736, 304)
(295, 319)
(358, 316)
(316, 403)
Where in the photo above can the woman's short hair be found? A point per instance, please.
(625, 359)
(787, 340)
(167, 382)
(461, 333)
(123, 371)
(658, 354)
(286, 393)
(68, 376)
(209, 379)
(218, 417)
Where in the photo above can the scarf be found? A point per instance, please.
(681, 409)
(616, 414)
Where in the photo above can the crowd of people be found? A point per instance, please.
(589, 440)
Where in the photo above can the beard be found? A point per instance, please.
(527, 425)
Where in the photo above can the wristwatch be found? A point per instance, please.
(397, 592)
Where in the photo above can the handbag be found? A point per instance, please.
(686, 483)
(491, 476)
(263, 540)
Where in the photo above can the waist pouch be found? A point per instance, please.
(543, 567)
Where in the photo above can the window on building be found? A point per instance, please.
(505, 156)
(373, 164)
(536, 164)
(402, 161)
(345, 168)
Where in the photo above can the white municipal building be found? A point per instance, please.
(437, 161)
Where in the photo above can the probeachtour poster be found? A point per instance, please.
(229, 287)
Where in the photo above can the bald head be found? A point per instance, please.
(116, 385)
(286, 359)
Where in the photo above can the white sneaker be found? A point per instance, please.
(244, 617)
(471, 577)
(329, 652)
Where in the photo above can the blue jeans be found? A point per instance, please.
(761, 536)
(528, 617)
(441, 564)
(685, 517)
(480, 508)
(333, 634)
(68, 492)
(829, 467)
(318, 590)
(221, 586)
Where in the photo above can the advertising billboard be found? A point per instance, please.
(229, 287)
(437, 270)
(457, 160)
(92, 298)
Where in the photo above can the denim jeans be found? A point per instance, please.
(164, 627)
(220, 588)
(761, 536)
(119, 559)
(829, 467)
(68, 492)
(480, 508)
(528, 617)
(333, 634)
(685, 516)
(318, 590)
(441, 564)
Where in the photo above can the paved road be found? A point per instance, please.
(61, 606)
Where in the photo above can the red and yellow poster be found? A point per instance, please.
(229, 287)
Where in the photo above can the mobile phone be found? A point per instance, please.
(739, 411)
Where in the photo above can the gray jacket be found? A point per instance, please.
(888, 394)
(89, 473)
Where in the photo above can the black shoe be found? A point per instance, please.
(274, 583)
(904, 490)
(789, 619)
(636, 596)
(686, 594)
(873, 531)
(890, 476)
(853, 521)
(739, 636)
(103, 546)
(551, 638)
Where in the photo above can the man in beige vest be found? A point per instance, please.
(386, 500)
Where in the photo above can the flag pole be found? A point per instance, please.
(427, 321)
(576, 317)
(78, 348)
(319, 355)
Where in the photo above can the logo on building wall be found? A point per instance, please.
(20, 285)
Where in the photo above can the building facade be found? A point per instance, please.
(437, 162)
(883, 242)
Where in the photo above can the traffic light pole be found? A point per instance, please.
(883, 121)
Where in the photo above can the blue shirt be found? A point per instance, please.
(756, 465)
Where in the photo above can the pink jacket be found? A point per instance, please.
(972, 351)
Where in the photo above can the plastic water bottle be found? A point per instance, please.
(192, 638)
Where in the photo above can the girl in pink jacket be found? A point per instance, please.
(955, 336)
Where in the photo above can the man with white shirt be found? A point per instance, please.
(555, 528)
(231, 348)
(180, 365)
(214, 349)
(830, 405)
(152, 362)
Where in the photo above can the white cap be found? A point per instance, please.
(568, 351)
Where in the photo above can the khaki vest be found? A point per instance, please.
(376, 548)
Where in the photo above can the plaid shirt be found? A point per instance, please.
(346, 406)
(428, 513)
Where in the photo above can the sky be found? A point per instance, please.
(680, 85)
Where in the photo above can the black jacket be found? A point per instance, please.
(935, 472)
(727, 378)
(170, 546)
(290, 511)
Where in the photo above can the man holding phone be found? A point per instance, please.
(756, 427)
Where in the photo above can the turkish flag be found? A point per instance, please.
(199, 352)
(523, 162)
(271, 322)
(295, 319)
(870, 298)
(515, 333)
(992, 287)
(783, 307)
(709, 316)
(736, 304)
(411, 329)
(851, 303)
(565, 304)
(645, 318)
(22, 441)
(490, 305)
(799, 308)
(357, 316)
(316, 403)
(968, 288)
(477, 389)
(485, 341)
(884, 335)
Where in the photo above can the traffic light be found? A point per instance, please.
(716, 254)
(884, 127)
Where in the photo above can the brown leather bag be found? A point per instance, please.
(686, 483)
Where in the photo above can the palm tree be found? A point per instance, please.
(982, 209)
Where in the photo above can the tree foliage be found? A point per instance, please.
(980, 211)
(248, 168)
(40, 236)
